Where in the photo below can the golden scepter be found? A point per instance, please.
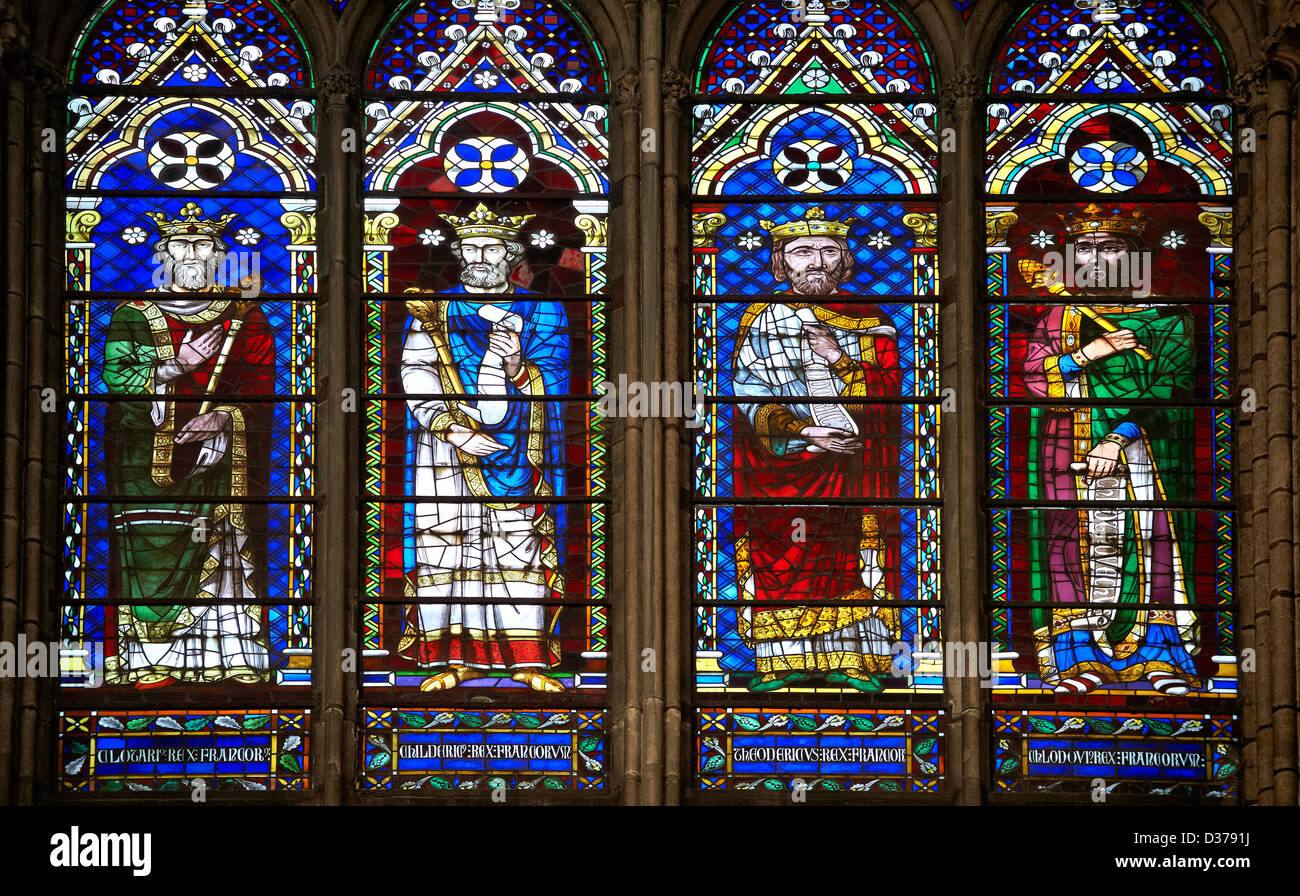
(236, 322)
(1040, 276)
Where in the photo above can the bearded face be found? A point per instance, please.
(191, 263)
(1102, 264)
(485, 262)
(814, 265)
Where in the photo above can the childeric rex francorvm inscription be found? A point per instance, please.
(453, 749)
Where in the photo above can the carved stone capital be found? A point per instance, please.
(47, 77)
(627, 89)
(340, 82)
(1250, 87)
(13, 30)
(1282, 45)
(677, 86)
(959, 90)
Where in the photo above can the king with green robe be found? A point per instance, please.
(1111, 580)
(183, 454)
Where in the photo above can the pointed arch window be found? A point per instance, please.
(1110, 195)
(484, 617)
(186, 598)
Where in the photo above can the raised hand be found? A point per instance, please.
(203, 427)
(822, 341)
(840, 441)
(478, 444)
(195, 350)
(506, 344)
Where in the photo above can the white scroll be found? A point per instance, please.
(491, 371)
(822, 383)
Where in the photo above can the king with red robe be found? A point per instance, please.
(810, 373)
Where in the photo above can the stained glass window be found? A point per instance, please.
(484, 617)
(1109, 178)
(188, 400)
(816, 618)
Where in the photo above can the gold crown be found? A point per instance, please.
(1096, 219)
(191, 222)
(483, 222)
(814, 223)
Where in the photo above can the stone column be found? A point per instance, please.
(14, 127)
(627, 557)
(678, 669)
(1276, 491)
(1248, 105)
(647, 479)
(338, 352)
(962, 434)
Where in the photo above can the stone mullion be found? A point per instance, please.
(679, 659)
(1257, 686)
(42, 555)
(626, 555)
(653, 483)
(1242, 295)
(15, 309)
(338, 349)
(962, 434)
(1279, 402)
(1294, 422)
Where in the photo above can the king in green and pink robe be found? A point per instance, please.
(182, 565)
(1091, 567)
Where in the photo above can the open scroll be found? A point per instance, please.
(822, 383)
(491, 371)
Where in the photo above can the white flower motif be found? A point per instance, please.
(194, 72)
(431, 237)
(1042, 239)
(134, 235)
(816, 78)
(247, 236)
(879, 240)
(1107, 79)
(1173, 239)
(749, 240)
(486, 80)
(543, 238)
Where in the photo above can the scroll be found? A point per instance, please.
(491, 370)
(822, 383)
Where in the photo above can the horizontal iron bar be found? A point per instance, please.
(156, 500)
(810, 502)
(697, 199)
(1218, 507)
(437, 97)
(499, 499)
(146, 398)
